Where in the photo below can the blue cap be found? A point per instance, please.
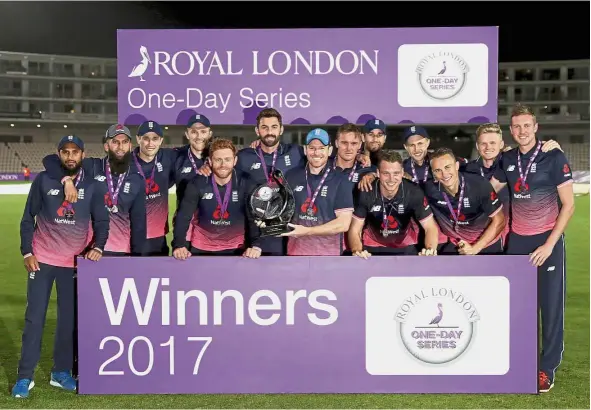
(198, 119)
(150, 126)
(414, 130)
(374, 124)
(318, 134)
(70, 139)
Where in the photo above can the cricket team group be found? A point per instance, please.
(353, 197)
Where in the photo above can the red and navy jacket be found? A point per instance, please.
(56, 231)
(403, 213)
(212, 229)
(535, 203)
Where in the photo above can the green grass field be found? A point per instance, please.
(571, 389)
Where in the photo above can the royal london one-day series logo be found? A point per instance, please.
(442, 75)
(437, 324)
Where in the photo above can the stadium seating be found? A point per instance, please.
(31, 154)
(13, 155)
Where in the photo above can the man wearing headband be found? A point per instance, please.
(53, 232)
(392, 210)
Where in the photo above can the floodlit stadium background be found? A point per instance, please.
(64, 95)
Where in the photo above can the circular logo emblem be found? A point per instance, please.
(437, 325)
(265, 193)
(442, 75)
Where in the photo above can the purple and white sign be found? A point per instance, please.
(15, 177)
(314, 325)
(312, 76)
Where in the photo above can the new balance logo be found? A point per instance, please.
(53, 192)
(100, 178)
(376, 208)
(207, 195)
(551, 268)
(186, 170)
(511, 168)
(299, 188)
(256, 165)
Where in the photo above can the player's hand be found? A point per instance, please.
(205, 170)
(252, 253)
(507, 148)
(464, 248)
(407, 176)
(540, 255)
(93, 255)
(366, 181)
(70, 191)
(31, 264)
(297, 230)
(255, 143)
(181, 253)
(363, 160)
(362, 254)
(550, 145)
(428, 252)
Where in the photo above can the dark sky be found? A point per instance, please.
(529, 31)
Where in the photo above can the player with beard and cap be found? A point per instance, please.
(257, 164)
(219, 203)
(542, 203)
(392, 210)
(53, 232)
(124, 197)
(466, 208)
(490, 146)
(155, 165)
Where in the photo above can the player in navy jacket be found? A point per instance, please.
(490, 146)
(191, 158)
(386, 219)
(466, 208)
(257, 164)
(323, 200)
(542, 203)
(155, 165)
(220, 203)
(53, 232)
(124, 198)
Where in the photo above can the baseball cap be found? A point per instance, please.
(318, 134)
(150, 126)
(116, 129)
(70, 139)
(198, 119)
(414, 130)
(373, 125)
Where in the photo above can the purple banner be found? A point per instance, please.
(15, 177)
(312, 76)
(313, 325)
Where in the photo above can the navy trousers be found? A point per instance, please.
(39, 288)
(551, 296)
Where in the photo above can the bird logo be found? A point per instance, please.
(437, 319)
(140, 69)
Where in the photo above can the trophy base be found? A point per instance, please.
(275, 230)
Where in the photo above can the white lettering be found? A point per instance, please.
(187, 313)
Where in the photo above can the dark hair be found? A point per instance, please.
(441, 152)
(269, 113)
(347, 128)
(389, 155)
